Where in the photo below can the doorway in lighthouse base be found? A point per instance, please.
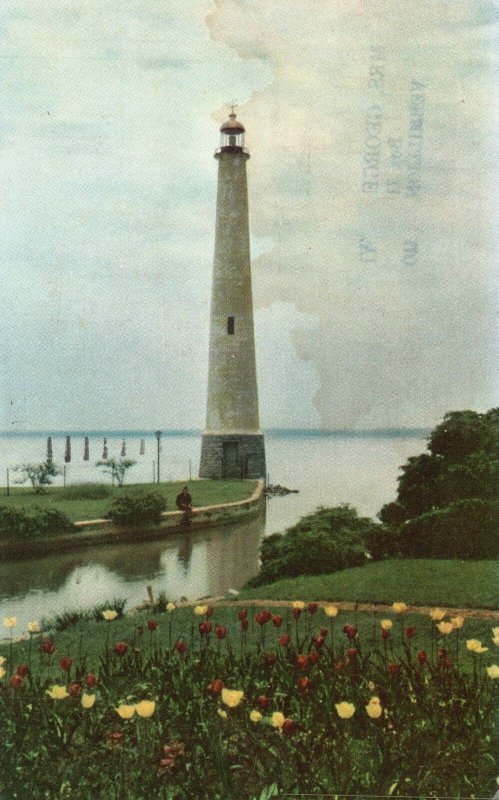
(231, 467)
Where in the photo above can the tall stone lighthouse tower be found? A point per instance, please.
(233, 444)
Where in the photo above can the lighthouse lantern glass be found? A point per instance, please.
(232, 139)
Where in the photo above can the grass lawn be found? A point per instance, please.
(204, 492)
(464, 584)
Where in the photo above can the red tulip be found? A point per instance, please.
(324, 632)
(318, 642)
(422, 657)
(209, 611)
(91, 680)
(351, 631)
(446, 663)
(66, 663)
(22, 670)
(181, 647)
(263, 702)
(242, 614)
(442, 654)
(152, 625)
(288, 727)
(244, 624)
(296, 612)
(74, 689)
(205, 628)
(385, 634)
(313, 657)
(302, 661)
(216, 686)
(303, 683)
(284, 640)
(312, 608)
(410, 632)
(393, 669)
(16, 681)
(277, 620)
(47, 647)
(269, 659)
(352, 654)
(263, 617)
(120, 648)
(339, 666)
(221, 631)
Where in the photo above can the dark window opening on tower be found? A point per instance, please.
(232, 141)
(230, 326)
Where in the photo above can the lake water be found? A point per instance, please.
(327, 469)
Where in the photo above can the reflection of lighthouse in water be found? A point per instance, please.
(233, 444)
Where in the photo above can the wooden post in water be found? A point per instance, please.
(8, 484)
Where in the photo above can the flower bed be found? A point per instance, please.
(265, 703)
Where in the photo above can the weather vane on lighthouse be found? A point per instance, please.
(233, 445)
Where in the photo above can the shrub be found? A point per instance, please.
(465, 529)
(35, 522)
(332, 539)
(140, 508)
(84, 491)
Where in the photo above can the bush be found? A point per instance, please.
(84, 491)
(332, 539)
(465, 529)
(140, 508)
(35, 522)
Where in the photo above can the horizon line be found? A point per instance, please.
(199, 431)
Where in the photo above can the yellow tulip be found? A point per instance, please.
(298, 604)
(255, 716)
(232, 697)
(386, 624)
(57, 692)
(437, 614)
(457, 622)
(345, 710)
(495, 632)
(33, 627)
(2, 660)
(374, 710)
(475, 646)
(125, 712)
(200, 611)
(399, 608)
(109, 614)
(171, 606)
(2, 672)
(495, 639)
(10, 622)
(330, 611)
(145, 708)
(445, 628)
(87, 700)
(277, 719)
(493, 671)
(222, 713)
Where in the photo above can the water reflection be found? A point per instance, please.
(190, 564)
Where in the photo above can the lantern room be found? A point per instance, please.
(232, 134)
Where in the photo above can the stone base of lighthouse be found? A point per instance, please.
(232, 455)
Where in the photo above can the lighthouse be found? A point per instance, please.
(233, 444)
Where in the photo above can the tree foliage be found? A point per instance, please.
(116, 467)
(39, 475)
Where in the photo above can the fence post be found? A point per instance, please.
(8, 485)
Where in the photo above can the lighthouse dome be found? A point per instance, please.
(232, 125)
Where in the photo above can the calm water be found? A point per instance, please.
(326, 469)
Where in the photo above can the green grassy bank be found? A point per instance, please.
(204, 492)
(465, 584)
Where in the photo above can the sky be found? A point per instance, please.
(371, 191)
